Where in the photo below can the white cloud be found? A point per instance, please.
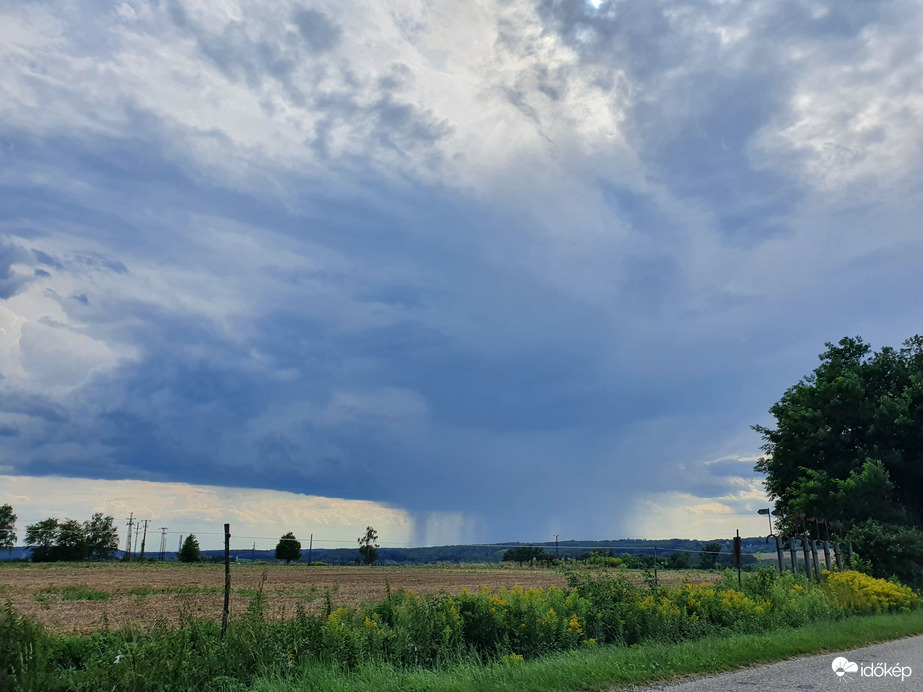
(681, 515)
(505, 89)
(259, 516)
(45, 356)
(855, 118)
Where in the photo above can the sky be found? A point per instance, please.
(466, 272)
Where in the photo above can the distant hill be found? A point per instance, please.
(493, 553)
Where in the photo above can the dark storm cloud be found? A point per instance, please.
(318, 325)
(46, 259)
(34, 406)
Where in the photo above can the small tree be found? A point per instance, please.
(709, 555)
(368, 548)
(289, 548)
(190, 551)
(7, 527)
(101, 536)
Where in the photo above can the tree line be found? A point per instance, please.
(709, 557)
(52, 540)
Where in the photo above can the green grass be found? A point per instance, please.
(612, 667)
(602, 633)
(83, 593)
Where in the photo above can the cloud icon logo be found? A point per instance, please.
(841, 666)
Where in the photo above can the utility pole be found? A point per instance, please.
(144, 540)
(556, 546)
(137, 532)
(253, 552)
(131, 521)
(163, 542)
(310, 549)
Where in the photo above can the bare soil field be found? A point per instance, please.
(87, 597)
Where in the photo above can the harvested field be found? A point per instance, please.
(91, 596)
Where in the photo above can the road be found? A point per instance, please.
(816, 673)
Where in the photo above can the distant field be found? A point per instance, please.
(91, 596)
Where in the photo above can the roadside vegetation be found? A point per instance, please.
(483, 636)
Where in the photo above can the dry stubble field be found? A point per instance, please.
(61, 596)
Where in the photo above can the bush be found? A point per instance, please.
(890, 550)
(861, 594)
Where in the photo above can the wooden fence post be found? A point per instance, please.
(227, 578)
(807, 558)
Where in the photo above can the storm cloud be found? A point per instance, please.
(514, 269)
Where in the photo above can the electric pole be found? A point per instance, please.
(131, 521)
(163, 542)
(144, 540)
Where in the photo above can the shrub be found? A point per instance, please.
(23, 648)
(891, 550)
(860, 593)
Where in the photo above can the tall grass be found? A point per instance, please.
(608, 667)
(487, 633)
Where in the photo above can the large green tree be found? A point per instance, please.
(70, 540)
(847, 445)
(288, 548)
(190, 551)
(102, 536)
(42, 537)
(7, 527)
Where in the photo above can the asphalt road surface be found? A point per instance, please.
(879, 669)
